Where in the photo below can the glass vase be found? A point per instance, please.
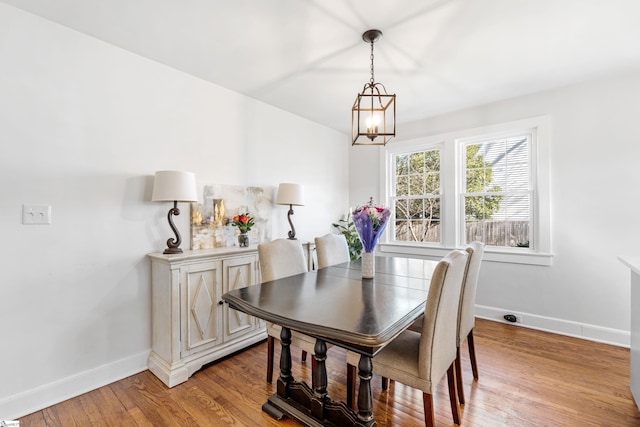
(368, 265)
(243, 240)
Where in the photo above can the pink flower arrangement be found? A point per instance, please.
(370, 222)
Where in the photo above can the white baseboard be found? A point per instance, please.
(585, 331)
(36, 399)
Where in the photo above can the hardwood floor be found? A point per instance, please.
(527, 378)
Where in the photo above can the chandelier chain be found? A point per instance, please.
(372, 80)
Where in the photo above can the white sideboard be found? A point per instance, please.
(634, 264)
(190, 324)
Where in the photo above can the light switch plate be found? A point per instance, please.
(36, 214)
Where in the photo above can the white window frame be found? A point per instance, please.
(452, 170)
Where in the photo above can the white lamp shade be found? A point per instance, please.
(169, 186)
(290, 194)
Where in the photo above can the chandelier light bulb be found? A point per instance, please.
(372, 123)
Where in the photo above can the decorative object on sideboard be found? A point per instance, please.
(174, 186)
(244, 222)
(211, 220)
(218, 211)
(373, 115)
(292, 195)
(370, 221)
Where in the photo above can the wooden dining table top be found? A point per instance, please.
(338, 306)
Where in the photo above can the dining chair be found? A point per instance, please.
(282, 258)
(420, 360)
(467, 316)
(467, 320)
(332, 249)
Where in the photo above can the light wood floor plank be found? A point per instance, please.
(527, 379)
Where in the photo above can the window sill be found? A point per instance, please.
(490, 254)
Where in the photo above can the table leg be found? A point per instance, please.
(365, 400)
(285, 362)
(312, 407)
(319, 380)
(285, 378)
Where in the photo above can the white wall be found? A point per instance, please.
(595, 200)
(83, 127)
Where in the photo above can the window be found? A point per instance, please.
(497, 191)
(417, 196)
(488, 184)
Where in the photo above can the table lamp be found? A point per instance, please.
(292, 195)
(174, 186)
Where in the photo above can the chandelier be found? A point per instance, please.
(373, 116)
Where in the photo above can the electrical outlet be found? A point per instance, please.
(513, 318)
(36, 214)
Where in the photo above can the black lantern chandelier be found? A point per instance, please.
(373, 116)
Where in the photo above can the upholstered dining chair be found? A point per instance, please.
(282, 258)
(420, 360)
(467, 319)
(332, 249)
(467, 316)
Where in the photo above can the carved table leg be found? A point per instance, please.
(319, 380)
(312, 407)
(285, 362)
(285, 378)
(365, 400)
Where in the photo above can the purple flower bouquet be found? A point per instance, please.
(370, 222)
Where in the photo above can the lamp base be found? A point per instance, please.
(292, 232)
(172, 251)
(173, 245)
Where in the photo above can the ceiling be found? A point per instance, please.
(307, 56)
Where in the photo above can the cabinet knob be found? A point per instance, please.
(220, 302)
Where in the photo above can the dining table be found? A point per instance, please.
(336, 305)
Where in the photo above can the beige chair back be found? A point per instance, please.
(281, 258)
(468, 301)
(440, 326)
(332, 249)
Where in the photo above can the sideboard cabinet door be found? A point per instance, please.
(238, 273)
(201, 314)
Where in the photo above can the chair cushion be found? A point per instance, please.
(398, 361)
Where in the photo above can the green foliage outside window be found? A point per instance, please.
(479, 177)
(418, 193)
